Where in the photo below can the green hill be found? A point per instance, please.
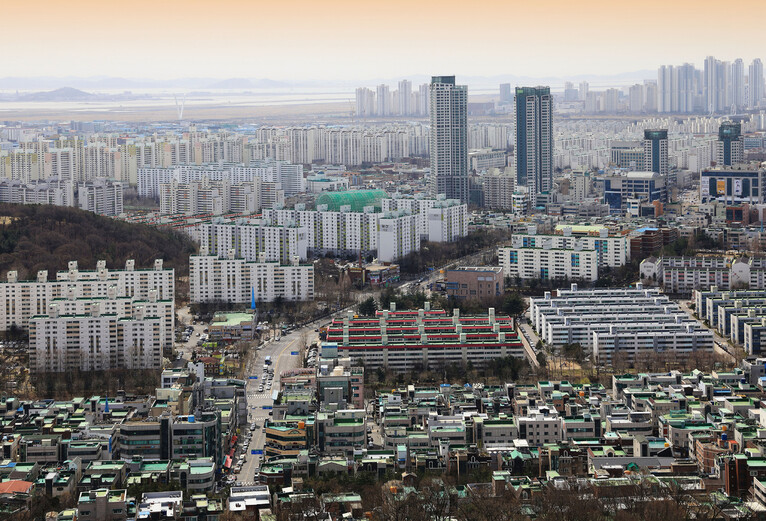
(40, 237)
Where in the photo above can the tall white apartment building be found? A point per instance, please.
(101, 196)
(340, 233)
(498, 190)
(250, 238)
(438, 219)
(93, 342)
(548, 263)
(61, 163)
(448, 138)
(228, 279)
(24, 299)
(534, 140)
(101, 160)
(447, 221)
(288, 177)
(391, 234)
(122, 307)
(51, 191)
(755, 83)
(612, 251)
(210, 197)
(21, 164)
(398, 236)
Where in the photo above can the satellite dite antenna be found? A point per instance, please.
(180, 108)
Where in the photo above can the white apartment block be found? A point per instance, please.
(288, 177)
(398, 236)
(233, 280)
(25, 299)
(637, 342)
(483, 159)
(61, 163)
(101, 160)
(93, 342)
(540, 426)
(51, 191)
(210, 197)
(339, 233)
(122, 307)
(447, 221)
(21, 165)
(249, 238)
(611, 251)
(606, 321)
(498, 190)
(438, 219)
(393, 233)
(686, 274)
(548, 263)
(100, 196)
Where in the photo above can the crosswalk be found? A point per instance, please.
(256, 396)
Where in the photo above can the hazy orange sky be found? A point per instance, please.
(358, 39)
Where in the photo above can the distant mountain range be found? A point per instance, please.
(101, 83)
(110, 83)
(62, 94)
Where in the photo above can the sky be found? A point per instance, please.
(328, 40)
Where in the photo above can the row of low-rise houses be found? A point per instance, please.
(97, 448)
(705, 430)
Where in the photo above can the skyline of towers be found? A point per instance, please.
(448, 138)
(382, 101)
(534, 140)
(719, 87)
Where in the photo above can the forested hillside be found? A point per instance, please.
(37, 237)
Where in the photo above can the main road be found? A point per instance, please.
(282, 359)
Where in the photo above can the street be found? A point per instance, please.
(282, 357)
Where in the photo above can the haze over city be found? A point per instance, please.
(340, 40)
(398, 261)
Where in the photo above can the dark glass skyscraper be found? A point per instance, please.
(656, 151)
(449, 138)
(534, 140)
(729, 149)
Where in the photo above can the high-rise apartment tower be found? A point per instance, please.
(449, 138)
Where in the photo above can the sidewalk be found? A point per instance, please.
(529, 341)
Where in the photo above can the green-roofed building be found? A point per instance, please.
(356, 199)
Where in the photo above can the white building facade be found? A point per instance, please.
(232, 280)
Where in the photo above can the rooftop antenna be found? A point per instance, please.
(180, 108)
